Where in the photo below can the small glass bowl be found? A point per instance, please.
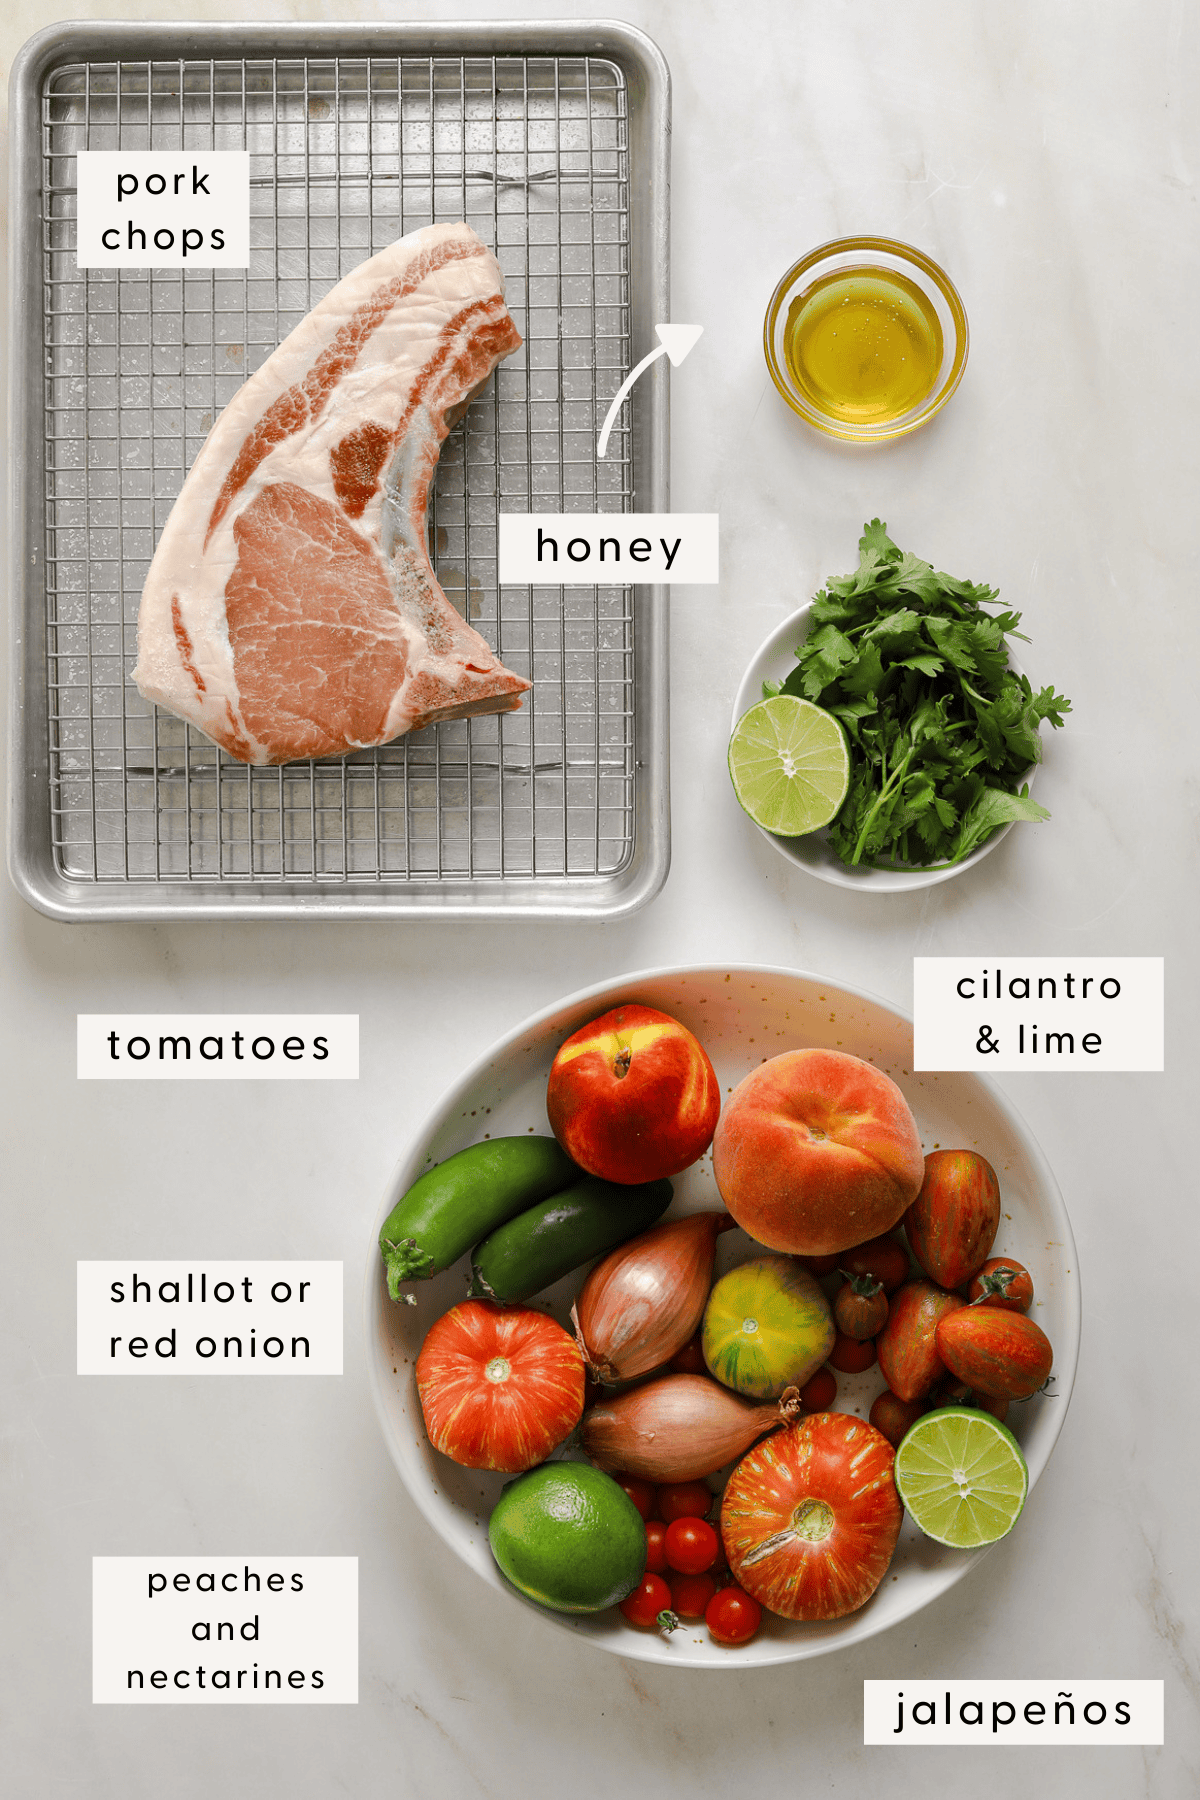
(847, 254)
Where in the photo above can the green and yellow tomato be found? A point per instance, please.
(767, 1327)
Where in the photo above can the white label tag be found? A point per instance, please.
(1048, 1014)
(217, 1046)
(924, 1713)
(209, 1318)
(608, 549)
(163, 209)
(211, 1630)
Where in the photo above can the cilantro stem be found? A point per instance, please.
(896, 775)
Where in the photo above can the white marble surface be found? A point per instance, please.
(1047, 156)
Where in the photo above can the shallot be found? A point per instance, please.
(645, 1300)
(679, 1427)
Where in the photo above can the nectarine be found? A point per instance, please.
(632, 1096)
(816, 1151)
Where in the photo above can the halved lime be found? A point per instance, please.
(790, 765)
(962, 1477)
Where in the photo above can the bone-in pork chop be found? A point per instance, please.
(291, 609)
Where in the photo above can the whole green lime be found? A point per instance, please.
(567, 1536)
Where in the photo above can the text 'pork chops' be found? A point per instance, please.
(291, 609)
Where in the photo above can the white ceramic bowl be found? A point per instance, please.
(774, 661)
(742, 1015)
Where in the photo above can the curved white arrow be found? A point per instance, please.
(674, 341)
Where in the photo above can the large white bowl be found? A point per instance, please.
(774, 660)
(742, 1015)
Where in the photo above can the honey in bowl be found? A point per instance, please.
(863, 345)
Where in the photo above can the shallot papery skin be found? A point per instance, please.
(646, 1299)
(679, 1427)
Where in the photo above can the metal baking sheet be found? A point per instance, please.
(551, 140)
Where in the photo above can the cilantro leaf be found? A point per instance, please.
(1049, 705)
(993, 808)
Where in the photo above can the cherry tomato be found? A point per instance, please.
(684, 1500)
(851, 1356)
(732, 1616)
(821, 1265)
(960, 1393)
(819, 1391)
(692, 1546)
(643, 1494)
(894, 1417)
(883, 1257)
(689, 1360)
(1002, 1281)
(656, 1547)
(860, 1307)
(648, 1601)
(690, 1595)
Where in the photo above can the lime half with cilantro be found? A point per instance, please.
(962, 1477)
(790, 765)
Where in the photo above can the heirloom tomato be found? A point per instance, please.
(952, 1223)
(767, 1327)
(810, 1517)
(907, 1345)
(1003, 1354)
(499, 1386)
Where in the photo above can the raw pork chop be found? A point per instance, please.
(291, 608)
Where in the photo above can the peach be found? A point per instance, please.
(632, 1096)
(817, 1151)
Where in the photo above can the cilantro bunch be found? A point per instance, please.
(941, 730)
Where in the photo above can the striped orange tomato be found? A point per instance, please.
(952, 1223)
(1002, 1354)
(500, 1386)
(810, 1517)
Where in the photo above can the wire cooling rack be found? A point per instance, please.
(347, 152)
